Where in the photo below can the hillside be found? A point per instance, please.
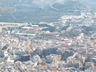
(26, 11)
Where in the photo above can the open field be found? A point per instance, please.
(10, 23)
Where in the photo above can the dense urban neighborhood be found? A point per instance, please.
(64, 46)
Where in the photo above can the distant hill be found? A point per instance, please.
(26, 11)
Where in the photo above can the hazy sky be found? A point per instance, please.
(46, 2)
(91, 3)
(41, 3)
